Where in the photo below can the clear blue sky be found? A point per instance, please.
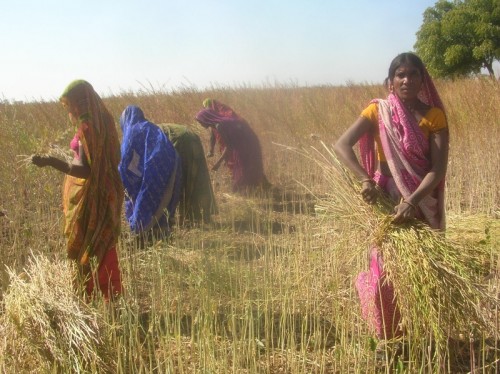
(132, 44)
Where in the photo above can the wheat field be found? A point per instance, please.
(268, 287)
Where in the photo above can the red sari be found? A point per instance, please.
(244, 157)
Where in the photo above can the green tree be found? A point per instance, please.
(460, 37)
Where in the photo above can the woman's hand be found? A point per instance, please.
(404, 212)
(40, 160)
(369, 191)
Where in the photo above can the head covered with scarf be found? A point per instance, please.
(150, 170)
(216, 112)
(92, 206)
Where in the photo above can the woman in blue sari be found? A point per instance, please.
(150, 169)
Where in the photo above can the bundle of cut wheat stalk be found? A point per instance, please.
(46, 324)
(437, 282)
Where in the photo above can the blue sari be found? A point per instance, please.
(150, 169)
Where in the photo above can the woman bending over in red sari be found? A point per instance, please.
(404, 150)
(239, 145)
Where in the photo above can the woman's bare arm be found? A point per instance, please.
(344, 146)
(79, 168)
(221, 158)
(344, 150)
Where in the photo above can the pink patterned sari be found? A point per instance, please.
(407, 153)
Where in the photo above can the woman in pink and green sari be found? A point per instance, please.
(403, 143)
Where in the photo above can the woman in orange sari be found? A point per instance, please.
(93, 192)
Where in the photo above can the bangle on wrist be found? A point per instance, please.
(410, 204)
(369, 180)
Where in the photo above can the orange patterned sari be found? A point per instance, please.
(92, 206)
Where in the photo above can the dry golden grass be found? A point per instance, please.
(46, 325)
(263, 289)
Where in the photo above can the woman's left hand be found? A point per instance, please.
(403, 212)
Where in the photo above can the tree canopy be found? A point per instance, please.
(458, 38)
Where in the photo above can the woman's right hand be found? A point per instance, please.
(369, 192)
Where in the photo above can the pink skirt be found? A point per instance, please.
(378, 302)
